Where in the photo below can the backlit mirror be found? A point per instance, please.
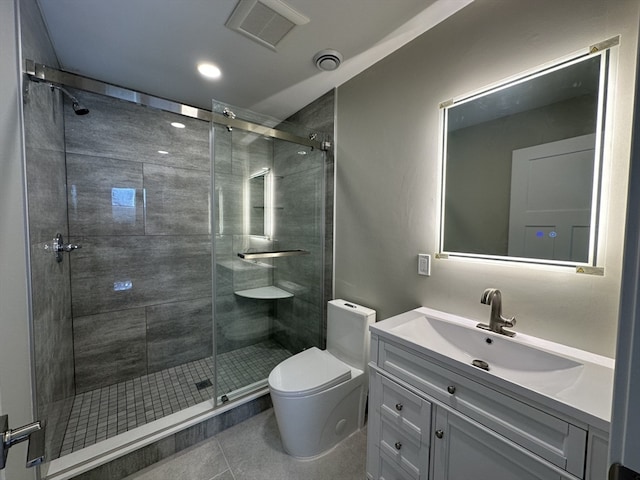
(521, 167)
(259, 203)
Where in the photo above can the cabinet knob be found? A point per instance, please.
(439, 433)
(399, 406)
(398, 445)
(451, 389)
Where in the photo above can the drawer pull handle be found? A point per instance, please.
(398, 445)
(439, 433)
(399, 406)
(451, 389)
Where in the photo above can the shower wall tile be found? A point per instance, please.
(228, 202)
(43, 120)
(105, 196)
(46, 192)
(109, 348)
(123, 130)
(251, 153)
(241, 322)
(225, 261)
(221, 142)
(177, 201)
(179, 332)
(52, 327)
(298, 324)
(300, 198)
(115, 273)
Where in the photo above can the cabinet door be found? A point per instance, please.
(464, 449)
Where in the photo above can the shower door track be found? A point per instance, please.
(42, 73)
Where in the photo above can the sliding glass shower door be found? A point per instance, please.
(268, 245)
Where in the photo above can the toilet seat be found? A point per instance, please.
(308, 372)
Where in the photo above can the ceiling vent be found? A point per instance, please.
(265, 21)
(327, 60)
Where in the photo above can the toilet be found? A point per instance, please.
(319, 396)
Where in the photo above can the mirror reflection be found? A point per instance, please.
(521, 167)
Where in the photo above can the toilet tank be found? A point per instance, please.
(348, 332)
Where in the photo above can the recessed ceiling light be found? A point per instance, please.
(163, 152)
(209, 70)
(177, 124)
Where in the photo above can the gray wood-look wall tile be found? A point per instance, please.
(119, 129)
(228, 204)
(179, 332)
(43, 118)
(114, 273)
(109, 348)
(46, 191)
(241, 322)
(105, 196)
(177, 201)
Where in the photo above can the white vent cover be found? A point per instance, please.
(265, 21)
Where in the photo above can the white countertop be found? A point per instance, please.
(587, 397)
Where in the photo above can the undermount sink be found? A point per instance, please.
(502, 356)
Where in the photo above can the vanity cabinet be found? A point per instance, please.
(428, 421)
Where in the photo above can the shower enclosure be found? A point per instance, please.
(201, 257)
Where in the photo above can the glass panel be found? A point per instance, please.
(266, 308)
(123, 329)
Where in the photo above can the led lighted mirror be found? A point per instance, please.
(521, 167)
(259, 202)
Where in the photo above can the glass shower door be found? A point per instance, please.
(268, 245)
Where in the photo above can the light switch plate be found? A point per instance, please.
(424, 264)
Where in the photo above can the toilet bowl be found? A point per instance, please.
(319, 396)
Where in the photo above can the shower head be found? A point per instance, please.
(78, 108)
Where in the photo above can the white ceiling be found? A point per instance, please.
(153, 46)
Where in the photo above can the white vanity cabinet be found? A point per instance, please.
(428, 420)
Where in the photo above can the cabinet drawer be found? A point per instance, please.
(404, 410)
(403, 448)
(390, 470)
(549, 437)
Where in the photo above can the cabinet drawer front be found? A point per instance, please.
(403, 449)
(545, 435)
(390, 470)
(405, 410)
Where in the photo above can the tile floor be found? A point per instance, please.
(102, 413)
(252, 450)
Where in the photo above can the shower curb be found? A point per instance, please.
(157, 451)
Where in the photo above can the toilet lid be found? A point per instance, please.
(308, 372)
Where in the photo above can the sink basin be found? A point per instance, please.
(502, 356)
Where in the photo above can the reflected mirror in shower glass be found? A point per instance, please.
(259, 203)
(521, 167)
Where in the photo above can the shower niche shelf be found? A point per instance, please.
(264, 293)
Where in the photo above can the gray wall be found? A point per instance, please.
(388, 168)
(141, 282)
(15, 385)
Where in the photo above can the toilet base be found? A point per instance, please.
(311, 426)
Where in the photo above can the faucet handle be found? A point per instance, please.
(509, 322)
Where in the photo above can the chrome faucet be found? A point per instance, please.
(497, 323)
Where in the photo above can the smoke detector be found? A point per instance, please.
(265, 21)
(327, 60)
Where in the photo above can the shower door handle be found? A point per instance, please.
(33, 432)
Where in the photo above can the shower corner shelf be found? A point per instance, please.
(264, 293)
